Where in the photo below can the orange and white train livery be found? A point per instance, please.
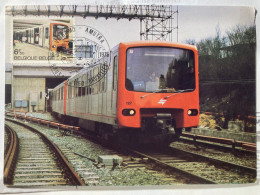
(150, 91)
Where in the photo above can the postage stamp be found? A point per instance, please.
(148, 77)
(39, 40)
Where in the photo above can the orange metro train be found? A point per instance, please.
(149, 92)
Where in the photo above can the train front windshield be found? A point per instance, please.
(60, 32)
(152, 69)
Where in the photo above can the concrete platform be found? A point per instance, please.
(238, 136)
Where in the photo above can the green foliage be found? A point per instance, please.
(227, 73)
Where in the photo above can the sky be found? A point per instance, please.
(200, 22)
(194, 23)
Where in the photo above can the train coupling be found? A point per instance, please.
(164, 122)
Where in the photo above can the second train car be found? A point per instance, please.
(149, 93)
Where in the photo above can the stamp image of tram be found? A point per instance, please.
(53, 36)
(150, 91)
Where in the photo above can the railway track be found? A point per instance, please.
(198, 168)
(240, 157)
(39, 161)
(192, 168)
(11, 150)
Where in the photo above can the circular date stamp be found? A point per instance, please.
(88, 49)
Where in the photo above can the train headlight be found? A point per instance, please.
(128, 112)
(131, 112)
(192, 112)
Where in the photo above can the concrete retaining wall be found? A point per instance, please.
(238, 136)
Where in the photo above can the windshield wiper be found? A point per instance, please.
(156, 91)
(178, 91)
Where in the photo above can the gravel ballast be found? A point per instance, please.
(80, 151)
(245, 160)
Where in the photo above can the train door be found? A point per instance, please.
(114, 83)
(32, 36)
(23, 37)
(36, 36)
(27, 36)
(45, 37)
(40, 36)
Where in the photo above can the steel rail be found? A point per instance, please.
(9, 159)
(204, 158)
(220, 140)
(43, 121)
(193, 177)
(69, 170)
(244, 145)
(217, 161)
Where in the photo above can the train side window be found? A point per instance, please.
(79, 91)
(83, 91)
(40, 33)
(96, 85)
(84, 79)
(87, 77)
(68, 91)
(104, 83)
(46, 33)
(72, 90)
(75, 91)
(105, 79)
(101, 80)
(62, 94)
(41, 95)
(115, 64)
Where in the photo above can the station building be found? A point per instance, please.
(27, 86)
